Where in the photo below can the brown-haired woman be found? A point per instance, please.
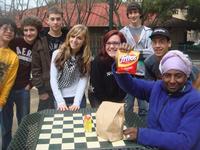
(103, 86)
(70, 68)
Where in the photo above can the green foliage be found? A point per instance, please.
(193, 7)
(163, 8)
(166, 8)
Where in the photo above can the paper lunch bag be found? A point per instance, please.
(110, 121)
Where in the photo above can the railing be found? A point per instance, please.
(187, 48)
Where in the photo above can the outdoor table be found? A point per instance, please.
(51, 129)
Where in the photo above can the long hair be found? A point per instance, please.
(65, 50)
(103, 54)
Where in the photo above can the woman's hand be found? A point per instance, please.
(125, 47)
(62, 107)
(74, 108)
(131, 133)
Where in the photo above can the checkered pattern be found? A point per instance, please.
(67, 132)
(69, 74)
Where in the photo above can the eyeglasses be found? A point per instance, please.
(113, 43)
(7, 28)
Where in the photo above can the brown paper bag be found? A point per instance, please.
(110, 121)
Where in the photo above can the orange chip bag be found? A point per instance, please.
(127, 61)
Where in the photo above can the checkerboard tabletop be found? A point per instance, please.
(66, 131)
(54, 130)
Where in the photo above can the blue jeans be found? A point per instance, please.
(21, 98)
(142, 104)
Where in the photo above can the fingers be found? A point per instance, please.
(74, 108)
(125, 47)
(130, 133)
(63, 108)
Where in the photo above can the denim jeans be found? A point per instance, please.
(49, 103)
(22, 100)
(142, 105)
(1, 129)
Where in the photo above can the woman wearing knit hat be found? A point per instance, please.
(174, 105)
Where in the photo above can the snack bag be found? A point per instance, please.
(127, 61)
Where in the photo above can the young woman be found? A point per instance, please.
(103, 85)
(70, 66)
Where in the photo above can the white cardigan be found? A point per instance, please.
(76, 90)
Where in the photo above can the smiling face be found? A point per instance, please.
(6, 33)
(174, 80)
(30, 34)
(112, 45)
(160, 45)
(76, 42)
(134, 17)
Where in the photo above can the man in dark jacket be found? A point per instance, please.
(42, 53)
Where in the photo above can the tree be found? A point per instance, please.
(163, 10)
(193, 10)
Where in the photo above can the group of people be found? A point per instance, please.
(60, 65)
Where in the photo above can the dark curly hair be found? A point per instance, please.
(32, 21)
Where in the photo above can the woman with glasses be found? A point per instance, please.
(103, 86)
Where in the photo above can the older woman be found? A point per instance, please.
(174, 114)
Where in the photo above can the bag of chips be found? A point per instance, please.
(127, 61)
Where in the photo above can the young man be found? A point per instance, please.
(20, 93)
(8, 64)
(161, 43)
(137, 36)
(174, 114)
(42, 53)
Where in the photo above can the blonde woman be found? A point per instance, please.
(70, 66)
